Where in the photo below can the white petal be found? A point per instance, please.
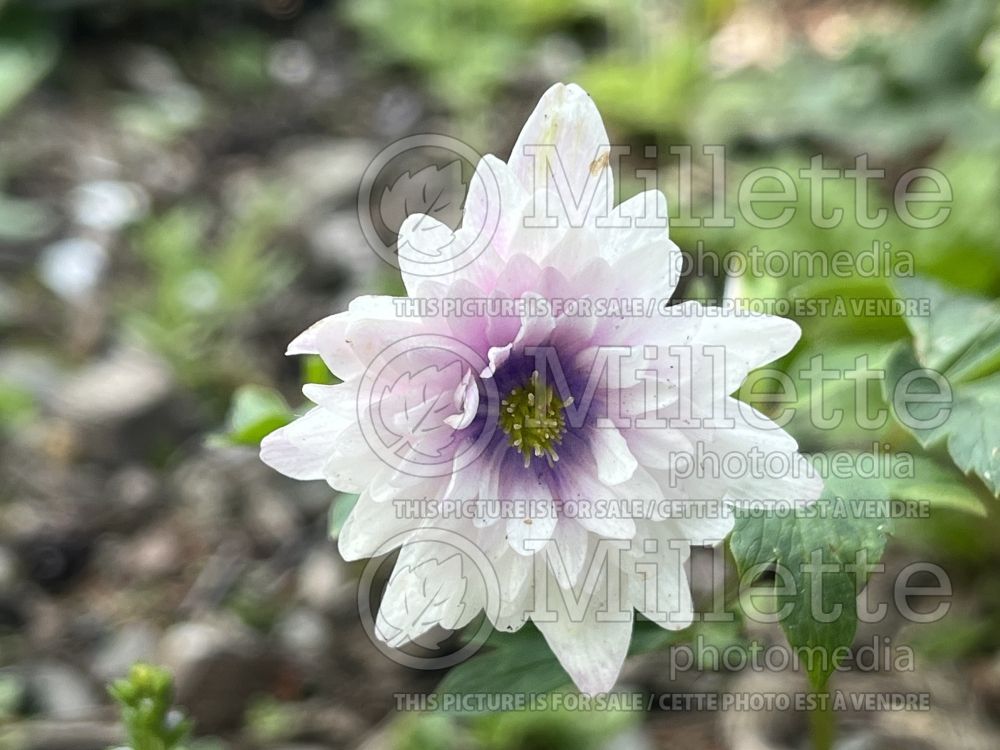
(493, 210)
(640, 223)
(425, 248)
(340, 399)
(327, 338)
(749, 341)
(658, 448)
(564, 150)
(467, 401)
(650, 272)
(615, 463)
(535, 329)
(658, 585)
(609, 526)
(373, 528)
(281, 454)
(301, 449)
(433, 584)
(530, 533)
(568, 552)
(352, 462)
(591, 647)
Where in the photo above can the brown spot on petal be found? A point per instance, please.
(599, 163)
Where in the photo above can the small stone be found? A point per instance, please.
(338, 243)
(271, 518)
(863, 740)
(204, 488)
(73, 267)
(149, 69)
(134, 489)
(155, 553)
(58, 691)
(31, 371)
(397, 111)
(129, 644)
(305, 635)
(326, 171)
(633, 738)
(108, 205)
(322, 580)
(291, 62)
(558, 55)
(218, 668)
(126, 383)
(54, 557)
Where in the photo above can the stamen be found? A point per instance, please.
(534, 420)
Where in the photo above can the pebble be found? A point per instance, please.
(327, 171)
(58, 691)
(323, 584)
(305, 635)
(218, 667)
(126, 383)
(129, 644)
(108, 205)
(73, 267)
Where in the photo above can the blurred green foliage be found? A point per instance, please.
(28, 51)
(466, 50)
(198, 286)
(255, 412)
(515, 730)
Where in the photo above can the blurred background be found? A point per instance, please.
(178, 199)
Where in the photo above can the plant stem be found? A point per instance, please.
(822, 724)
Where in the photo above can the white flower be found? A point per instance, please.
(551, 388)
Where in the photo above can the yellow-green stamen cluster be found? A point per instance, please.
(533, 419)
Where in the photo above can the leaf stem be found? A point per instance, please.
(822, 724)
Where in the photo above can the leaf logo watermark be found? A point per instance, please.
(434, 194)
(418, 405)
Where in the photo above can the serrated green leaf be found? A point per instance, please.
(842, 530)
(942, 487)
(960, 336)
(960, 339)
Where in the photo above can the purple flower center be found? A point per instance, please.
(533, 418)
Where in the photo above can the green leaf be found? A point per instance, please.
(522, 662)
(971, 430)
(942, 487)
(839, 530)
(314, 370)
(858, 361)
(961, 336)
(28, 50)
(960, 339)
(255, 413)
